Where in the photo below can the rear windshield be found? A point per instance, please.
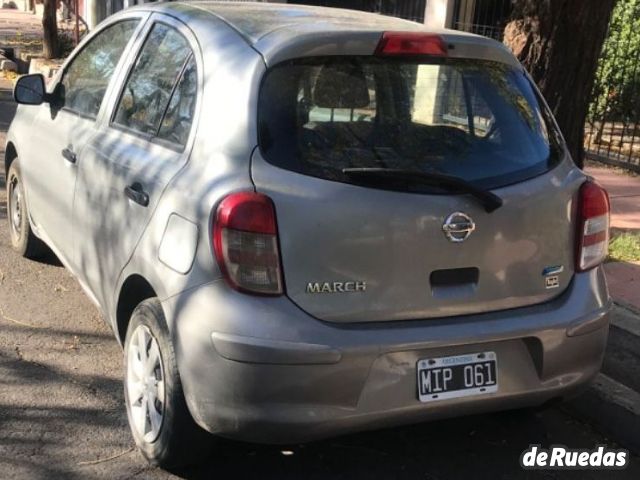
(477, 120)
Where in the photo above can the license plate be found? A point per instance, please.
(457, 376)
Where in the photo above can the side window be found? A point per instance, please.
(443, 97)
(176, 123)
(351, 105)
(453, 101)
(465, 108)
(483, 119)
(85, 81)
(157, 86)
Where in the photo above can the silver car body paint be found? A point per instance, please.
(306, 365)
(179, 243)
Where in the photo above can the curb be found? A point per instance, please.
(627, 320)
(633, 309)
(612, 408)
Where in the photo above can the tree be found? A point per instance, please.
(559, 42)
(617, 81)
(50, 29)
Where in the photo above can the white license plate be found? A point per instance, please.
(457, 376)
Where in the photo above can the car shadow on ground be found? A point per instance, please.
(48, 258)
(479, 443)
(44, 429)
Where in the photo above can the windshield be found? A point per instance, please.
(476, 120)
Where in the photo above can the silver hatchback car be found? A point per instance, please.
(303, 222)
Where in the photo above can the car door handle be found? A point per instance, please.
(136, 193)
(69, 155)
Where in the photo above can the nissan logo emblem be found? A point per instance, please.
(458, 226)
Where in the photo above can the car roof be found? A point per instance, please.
(272, 28)
(255, 20)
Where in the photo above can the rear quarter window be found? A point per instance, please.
(158, 98)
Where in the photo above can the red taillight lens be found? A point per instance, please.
(593, 226)
(411, 43)
(245, 242)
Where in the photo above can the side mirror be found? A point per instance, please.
(30, 90)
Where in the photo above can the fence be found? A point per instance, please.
(408, 9)
(484, 17)
(612, 132)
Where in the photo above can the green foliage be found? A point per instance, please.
(625, 248)
(67, 43)
(617, 85)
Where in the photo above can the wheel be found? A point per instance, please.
(23, 240)
(160, 422)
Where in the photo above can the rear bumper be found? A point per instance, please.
(260, 369)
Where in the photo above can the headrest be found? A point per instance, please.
(341, 86)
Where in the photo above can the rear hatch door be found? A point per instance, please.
(359, 247)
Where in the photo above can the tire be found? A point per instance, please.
(23, 240)
(160, 422)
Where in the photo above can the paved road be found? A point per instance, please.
(62, 414)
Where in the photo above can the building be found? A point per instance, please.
(23, 5)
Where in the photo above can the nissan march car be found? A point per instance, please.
(302, 222)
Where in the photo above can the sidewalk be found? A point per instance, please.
(624, 192)
(15, 22)
(25, 25)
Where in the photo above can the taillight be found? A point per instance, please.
(411, 43)
(245, 242)
(593, 226)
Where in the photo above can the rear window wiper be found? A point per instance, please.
(489, 201)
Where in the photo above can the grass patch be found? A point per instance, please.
(625, 247)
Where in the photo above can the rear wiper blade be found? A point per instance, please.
(489, 200)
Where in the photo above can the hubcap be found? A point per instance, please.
(15, 206)
(145, 384)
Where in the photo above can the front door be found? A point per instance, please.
(63, 128)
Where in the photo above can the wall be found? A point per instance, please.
(23, 5)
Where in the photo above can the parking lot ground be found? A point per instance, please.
(62, 407)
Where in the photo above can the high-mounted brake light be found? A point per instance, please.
(411, 43)
(593, 226)
(245, 242)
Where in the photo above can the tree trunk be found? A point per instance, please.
(559, 42)
(50, 29)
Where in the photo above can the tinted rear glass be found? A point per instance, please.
(480, 121)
